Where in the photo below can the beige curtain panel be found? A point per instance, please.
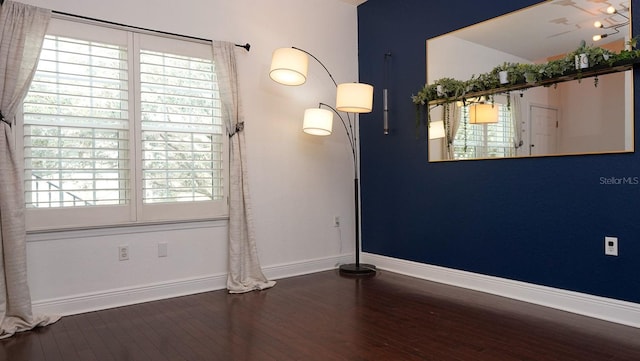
(245, 273)
(22, 30)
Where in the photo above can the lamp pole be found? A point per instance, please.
(357, 268)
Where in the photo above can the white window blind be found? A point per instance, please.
(492, 140)
(76, 147)
(121, 127)
(181, 129)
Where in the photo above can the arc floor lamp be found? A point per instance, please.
(289, 67)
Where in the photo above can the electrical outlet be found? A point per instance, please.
(611, 246)
(163, 249)
(336, 221)
(123, 253)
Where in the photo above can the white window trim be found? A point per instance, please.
(38, 220)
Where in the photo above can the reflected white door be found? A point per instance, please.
(544, 130)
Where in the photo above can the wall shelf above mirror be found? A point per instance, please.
(579, 100)
(524, 85)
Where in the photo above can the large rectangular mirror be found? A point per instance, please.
(593, 113)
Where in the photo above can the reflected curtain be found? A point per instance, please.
(245, 273)
(22, 30)
(451, 126)
(516, 118)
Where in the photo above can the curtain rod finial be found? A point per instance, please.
(247, 46)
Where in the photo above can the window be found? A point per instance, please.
(181, 129)
(493, 140)
(121, 127)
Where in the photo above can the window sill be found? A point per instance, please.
(119, 229)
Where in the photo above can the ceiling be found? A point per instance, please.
(354, 2)
(553, 28)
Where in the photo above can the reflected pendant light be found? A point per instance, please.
(354, 98)
(436, 129)
(483, 113)
(289, 66)
(317, 121)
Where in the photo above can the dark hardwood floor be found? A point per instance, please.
(324, 317)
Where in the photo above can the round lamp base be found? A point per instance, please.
(361, 269)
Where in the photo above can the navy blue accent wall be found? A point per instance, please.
(537, 220)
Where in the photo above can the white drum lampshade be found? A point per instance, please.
(354, 98)
(436, 130)
(317, 121)
(483, 113)
(289, 66)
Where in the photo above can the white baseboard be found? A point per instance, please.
(626, 313)
(305, 267)
(622, 312)
(95, 301)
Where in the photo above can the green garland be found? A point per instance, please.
(449, 89)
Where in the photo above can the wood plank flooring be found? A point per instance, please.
(326, 317)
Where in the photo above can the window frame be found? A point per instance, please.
(135, 212)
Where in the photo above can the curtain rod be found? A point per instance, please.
(246, 46)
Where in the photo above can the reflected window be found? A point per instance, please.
(492, 140)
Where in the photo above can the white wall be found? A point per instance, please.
(596, 125)
(298, 182)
